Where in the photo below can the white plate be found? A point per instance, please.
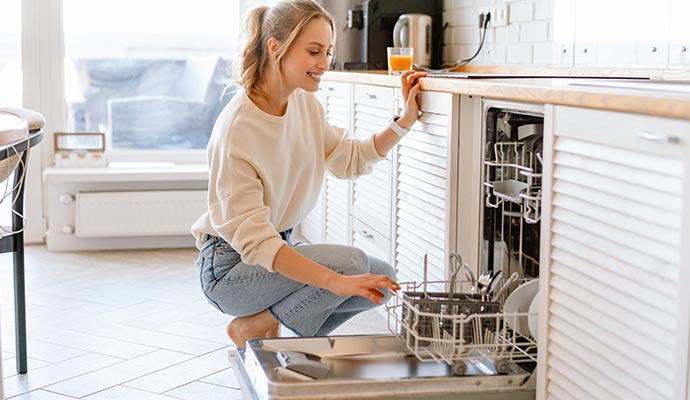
(533, 318)
(519, 302)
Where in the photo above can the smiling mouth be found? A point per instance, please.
(315, 76)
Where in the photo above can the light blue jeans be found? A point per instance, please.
(239, 289)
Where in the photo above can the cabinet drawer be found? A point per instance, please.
(376, 96)
(642, 133)
(337, 88)
(370, 241)
(436, 103)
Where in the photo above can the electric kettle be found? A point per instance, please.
(414, 30)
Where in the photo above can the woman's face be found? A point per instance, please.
(309, 56)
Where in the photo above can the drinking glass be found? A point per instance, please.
(399, 59)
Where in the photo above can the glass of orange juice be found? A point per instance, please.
(399, 59)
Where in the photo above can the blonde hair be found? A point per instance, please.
(284, 22)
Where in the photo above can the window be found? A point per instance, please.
(150, 74)
(10, 53)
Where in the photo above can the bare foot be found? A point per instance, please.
(258, 325)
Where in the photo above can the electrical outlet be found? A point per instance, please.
(499, 15)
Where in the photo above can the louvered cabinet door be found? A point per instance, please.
(339, 113)
(312, 228)
(328, 222)
(371, 194)
(616, 280)
(424, 208)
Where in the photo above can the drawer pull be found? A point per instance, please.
(330, 89)
(366, 234)
(370, 95)
(657, 137)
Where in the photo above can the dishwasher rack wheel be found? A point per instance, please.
(459, 368)
(501, 365)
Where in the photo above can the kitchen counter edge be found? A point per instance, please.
(541, 91)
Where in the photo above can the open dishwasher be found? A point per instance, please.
(443, 344)
(450, 339)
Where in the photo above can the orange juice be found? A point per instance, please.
(397, 63)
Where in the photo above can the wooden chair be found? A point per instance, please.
(22, 130)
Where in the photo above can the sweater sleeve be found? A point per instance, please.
(241, 217)
(348, 158)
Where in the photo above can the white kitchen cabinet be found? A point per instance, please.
(329, 221)
(425, 210)
(337, 194)
(639, 39)
(615, 282)
(679, 34)
(372, 194)
(313, 227)
(407, 206)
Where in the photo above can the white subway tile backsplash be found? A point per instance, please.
(537, 31)
(468, 16)
(521, 11)
(544, 53)
(534, 27)
(451, 53)
(465, 34)
(519, 53)
(512, 33)
(543, 9)
(494, 54)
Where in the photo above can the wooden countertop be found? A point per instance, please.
(560, 91)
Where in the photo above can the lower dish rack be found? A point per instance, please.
(457, 328)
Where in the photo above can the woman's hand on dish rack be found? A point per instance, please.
(365, 285)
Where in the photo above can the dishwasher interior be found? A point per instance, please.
(449, 338)
(511, 179)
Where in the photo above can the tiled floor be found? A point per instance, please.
(121, 325)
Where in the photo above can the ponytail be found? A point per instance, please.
(284, 21)
(253, 58)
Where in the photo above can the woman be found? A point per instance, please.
(267, 155)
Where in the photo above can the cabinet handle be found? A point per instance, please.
(331, 89)
(658, 137)
(370, 95)
(366, 234)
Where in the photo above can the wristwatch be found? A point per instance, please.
(399, 130)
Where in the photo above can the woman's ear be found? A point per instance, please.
(272, 45)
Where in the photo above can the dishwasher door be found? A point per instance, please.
(368, 367)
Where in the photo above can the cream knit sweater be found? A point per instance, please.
(266, 172)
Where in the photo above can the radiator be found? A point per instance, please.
(138, 213)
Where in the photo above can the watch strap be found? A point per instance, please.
(399, 130)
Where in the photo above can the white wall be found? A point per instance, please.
(581, 33)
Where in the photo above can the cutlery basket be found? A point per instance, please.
(429, 317)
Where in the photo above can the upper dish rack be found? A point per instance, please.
(516, 172)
